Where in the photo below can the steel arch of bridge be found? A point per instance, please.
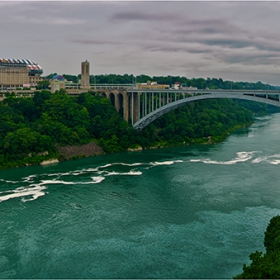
(142, 101)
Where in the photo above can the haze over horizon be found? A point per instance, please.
(235, 41)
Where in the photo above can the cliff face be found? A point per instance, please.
(87, 150)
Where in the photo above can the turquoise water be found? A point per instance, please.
(184, 212)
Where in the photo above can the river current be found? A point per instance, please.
(184, 212)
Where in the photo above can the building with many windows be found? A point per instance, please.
(19, 73)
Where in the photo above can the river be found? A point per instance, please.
(184, 212)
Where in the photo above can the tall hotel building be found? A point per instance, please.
(19, 72)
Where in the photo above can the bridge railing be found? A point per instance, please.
(112, 86)
(101, 86)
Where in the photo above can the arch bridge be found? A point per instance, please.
(147, 106)
(140, 107)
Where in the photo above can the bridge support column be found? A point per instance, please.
(136, 107)
(117, 102)
(145, 104)
(126, 107)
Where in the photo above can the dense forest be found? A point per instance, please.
(31, 128)
(265, 265)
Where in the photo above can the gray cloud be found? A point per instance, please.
(144, 16)
(252, 59)
(199, 39)
(94, 42)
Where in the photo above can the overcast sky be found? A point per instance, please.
(237, 41)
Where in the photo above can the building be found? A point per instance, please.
(19, 73)
(85, 79)
(151, 85)
(57, 83)
(13, 76)
(176, 85)
(33, 80)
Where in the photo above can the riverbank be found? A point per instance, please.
(71, 152)
(63, 153)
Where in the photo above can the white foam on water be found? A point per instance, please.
(52, 174)
(120, 163)
(97, 179)
(49, 182)
(259, 159)
(195, 160)
(36, 192)
(275, 162)
(132, 164)
(90, 170)
(276, 155)
(106, 165)
(35, 196)
(8, 181)
(162, 163)
(241, 157)
(76, 173)
(269, 159)
(66, 173)
(83, 171)
(36, 186)
(133, 173)
(28, 178)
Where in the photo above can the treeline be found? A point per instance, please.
(265, 265)
(200, 83)
(31, 128)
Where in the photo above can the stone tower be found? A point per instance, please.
(85, 75)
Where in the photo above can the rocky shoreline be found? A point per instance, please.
(86, 150)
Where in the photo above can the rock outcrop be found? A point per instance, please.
(50, 161)
(87, 150)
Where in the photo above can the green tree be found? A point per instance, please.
(23, 141)
(43, 84)
(267, 265)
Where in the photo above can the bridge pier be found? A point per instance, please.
(135, 111)
(125, 106)
(117, 103)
